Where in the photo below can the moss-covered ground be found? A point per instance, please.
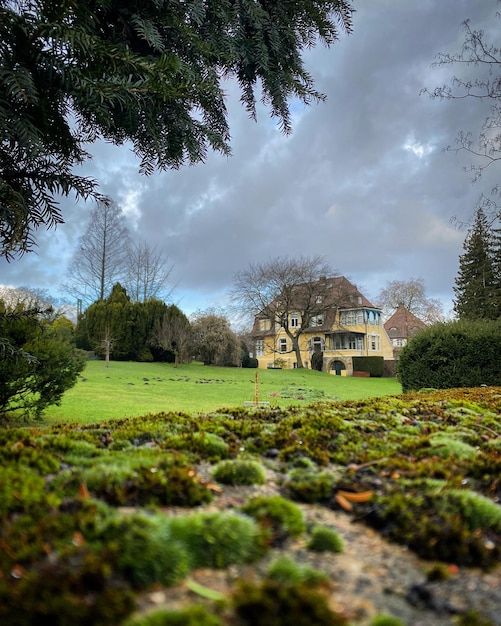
(84, 509)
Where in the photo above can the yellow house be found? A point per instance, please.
(330, 321)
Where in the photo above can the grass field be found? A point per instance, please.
(128, 389)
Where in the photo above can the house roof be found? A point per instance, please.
(403, 324)
(338, 293)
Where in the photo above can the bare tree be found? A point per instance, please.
(106, 345)
(484, 58)
(214, 342)
(100, 259)
(411, 294)
(294, 294)
(147, 272)
(173, 333)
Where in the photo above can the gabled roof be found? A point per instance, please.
(403, 324)
(338, 294)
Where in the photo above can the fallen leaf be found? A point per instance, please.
(352, 496)
(343, 502)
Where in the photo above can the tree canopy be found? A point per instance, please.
(412, 295)
(148, 72)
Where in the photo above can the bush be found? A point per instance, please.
(453, 354)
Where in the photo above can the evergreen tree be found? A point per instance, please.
(38, 362)
(147, 73)
(477, 283)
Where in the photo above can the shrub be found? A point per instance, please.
(279, 518)
(453, 354)
(38, 365)
(239, 472)
(374, 365)
(325, 539)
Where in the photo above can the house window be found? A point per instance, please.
(319, 299)
(375, 344)
(264, 324)
(399, 342)
(282, 345)
(350, 318)
(340, 342)
(294, 323)
(317, 320)
(352, 342)
(260, 347)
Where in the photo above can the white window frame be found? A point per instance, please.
(260, 347)
(294, 320)
(282, 345)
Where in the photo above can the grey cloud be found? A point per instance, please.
(343, 185)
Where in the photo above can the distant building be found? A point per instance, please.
(346, 325)
(400, 327)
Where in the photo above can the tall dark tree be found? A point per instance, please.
(477, 286)
(147, 73)
(100, 259)
(109, 325)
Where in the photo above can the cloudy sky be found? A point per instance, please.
(363, 180)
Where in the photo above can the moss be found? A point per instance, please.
(75, 588)
(129, 486)
(473, 618)
(278, 517)
(286, 571)
(438, 572)
(386, 620)
(308, 485)
(146, 551)
(239, 472)
(323, 539)
(274, 604)
(451, 524)
(23, 491)
(445, 446)
(217, 539)
(192, 616)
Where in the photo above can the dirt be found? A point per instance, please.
(371, 576)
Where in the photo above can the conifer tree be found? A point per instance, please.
(477, 286)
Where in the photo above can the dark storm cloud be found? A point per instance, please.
(363, 179)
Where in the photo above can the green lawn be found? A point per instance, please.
(128, 389)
